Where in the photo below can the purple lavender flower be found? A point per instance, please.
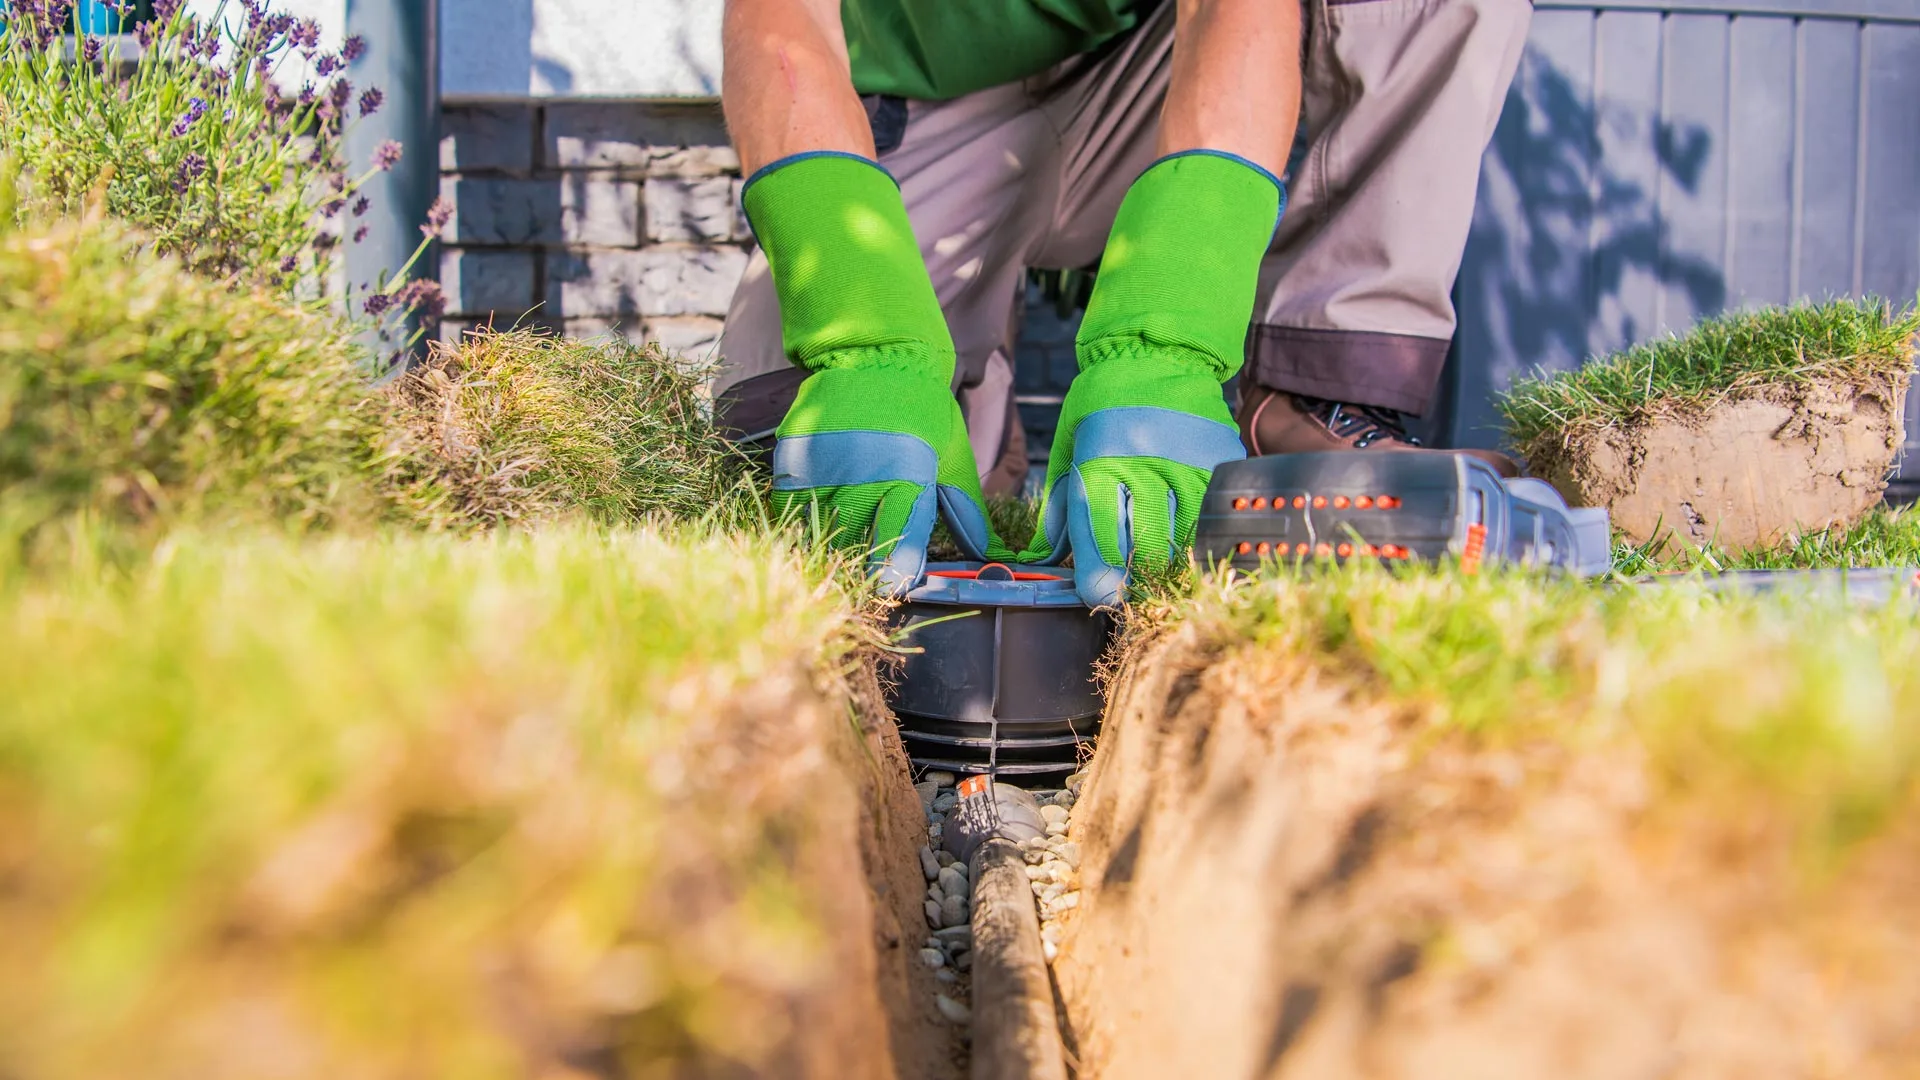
(387, 155)
(256, 12)
(192, 167)
(289, 264)
(424, 297)
(91, 50)
(353, 48)
(438, 215)
(360, 206)
(165, 10)
(305, 35)
(196, 109)
(340, 93)
(327, 65)
(307, 93)
(332, 207)
(359, 234)
(263, 64)
(143, 33)
(370, 100)
(377, 304)
(324, 242)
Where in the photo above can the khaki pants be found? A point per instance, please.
(1400, 98)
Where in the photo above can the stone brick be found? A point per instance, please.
(691, 211)
(480, 138)
(632, 135)
(693, 162)
(602, 329)
(650, 281)
(693, 336)
(569, 209)
(482, 282)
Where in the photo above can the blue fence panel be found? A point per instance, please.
(1661, 161)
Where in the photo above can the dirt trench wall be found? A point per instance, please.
(1277, 885)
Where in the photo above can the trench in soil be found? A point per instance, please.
(1275, 874)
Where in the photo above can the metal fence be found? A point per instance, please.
(1661, 161)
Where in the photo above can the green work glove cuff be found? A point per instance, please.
(1183, 263)
(853, 288)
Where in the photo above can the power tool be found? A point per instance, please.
(1392, 507)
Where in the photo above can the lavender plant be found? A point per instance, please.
(196, 144)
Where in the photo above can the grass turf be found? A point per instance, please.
(1804, 712)
(357, 789)
(1732, 354)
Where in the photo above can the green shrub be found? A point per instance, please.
(196, 145)
(136, 393)
(525, 427)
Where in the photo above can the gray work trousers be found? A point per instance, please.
(1399, 100)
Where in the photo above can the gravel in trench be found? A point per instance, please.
(1052, 867)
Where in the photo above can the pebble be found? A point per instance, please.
(953, 911)
(929, 865)
(947, 801)
(933, 914)
(952, 1010)
(933, 958)
(1069, 853)
(1074, 782)
(953, 882)
(954, 933)
(936, 894)
(947, 976)
(1057, 830)
(1067, 902)
(1049, 950)
(945, 858)
(964, 961)
(1055, 815)
(939, 778)
(1039, 887)
(927, 792)
(1052, 890)
(933, 833)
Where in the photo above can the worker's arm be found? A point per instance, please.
(786, 87)
(1145, 423)
(874, 447)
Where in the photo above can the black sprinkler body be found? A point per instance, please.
(1003, 680)
(1392, 507)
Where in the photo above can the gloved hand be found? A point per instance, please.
(1144, 422)
(874, 445)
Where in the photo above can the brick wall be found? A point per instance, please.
(592, 218)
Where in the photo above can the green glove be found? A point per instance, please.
(1145, 423)
(874, 446)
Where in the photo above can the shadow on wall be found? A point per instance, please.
(1559, 235)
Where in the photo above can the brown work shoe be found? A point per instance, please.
(1273, 422)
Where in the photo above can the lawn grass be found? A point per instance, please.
(135, 393)
(521, 427)
(1845, 341)
(1803, 712)
(347, 793)
(1888, 536)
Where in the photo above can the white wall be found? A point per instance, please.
(493, 50)
(508, 50)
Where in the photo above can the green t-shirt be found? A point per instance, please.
(939, 49)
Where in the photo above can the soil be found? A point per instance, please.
(1283, 878)
(893, 827)
(1745, 472)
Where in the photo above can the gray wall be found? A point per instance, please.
(1657, 162)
